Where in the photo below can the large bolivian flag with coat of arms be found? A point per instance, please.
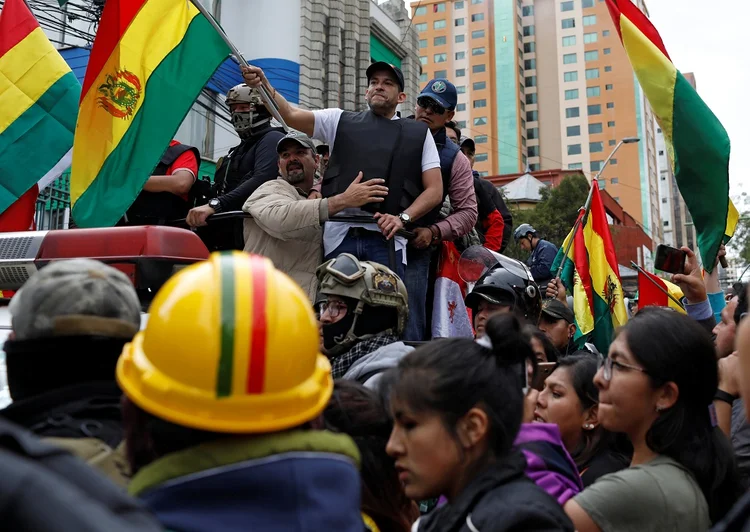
(149, 62)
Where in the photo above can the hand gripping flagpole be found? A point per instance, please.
(657, 285)
(273, 108)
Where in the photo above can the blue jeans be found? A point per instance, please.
(370, 246)
(417, 275)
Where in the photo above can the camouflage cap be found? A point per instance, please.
(76, 297)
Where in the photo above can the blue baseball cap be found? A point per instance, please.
(442, 91)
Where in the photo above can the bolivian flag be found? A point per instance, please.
(149, 62)
(653, 290)
(697, 143)
(591, 273)
(38, 106)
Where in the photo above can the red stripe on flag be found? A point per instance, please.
(598, 221)
(581, 260)
(116, 17)
(20, 215)
(648, 293)
(626, 8)
(256, 375)
(16, 22)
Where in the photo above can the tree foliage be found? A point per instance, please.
(554, 216)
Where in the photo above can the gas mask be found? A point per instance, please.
(247, 123)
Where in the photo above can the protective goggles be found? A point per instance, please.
(345, 268)
(425, 102)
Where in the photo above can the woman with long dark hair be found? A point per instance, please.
(544, 350)
(457, 406)
(359, 413)
(570, 400)
(656, 386)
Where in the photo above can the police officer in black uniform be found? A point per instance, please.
(247, 166)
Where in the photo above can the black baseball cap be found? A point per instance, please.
(382, 65)
(557, 310)
(322, 149)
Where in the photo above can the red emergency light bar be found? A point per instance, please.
(149, 255)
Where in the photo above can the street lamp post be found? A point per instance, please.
(626, 140)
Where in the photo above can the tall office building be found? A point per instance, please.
(560, 91)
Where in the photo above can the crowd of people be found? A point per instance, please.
(293, 383)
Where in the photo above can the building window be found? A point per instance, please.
(528, 31)
(605, 33)
(596, 166)
(592, 73)
(461, 89)
(440, 58)
(571, 94)
(461, 124)
(589, 38)
(592, 92)
(595, 147)
(478, 51)
(573, 131)
(480, 139)
(607, 51)
(614, 181)
(423, 59)
(520, 37)
(572, 112)
(439, 41)
(479, 103)
(535, 167)
(566, 6)
(477, 17)
(475, 2)
(423, 77)
(612, 142)
(422, 10)
(602, 184)
(569, 59)
(574, 149)
(608, 87)
(611, 124)
(531, 98)
(661, 152)
(571, 76)
(533, 151)
(529, 47)
(481, 121)
(458, 5)
(594, 109)
(520, 71)
(422, 27)
(663, 200)
(523, 141)
(527, 11)
(532, 133)
(480, 157)
(575, 166)
(477, 34)
(520, 88)
(460, 38)
(441, 73)
(610, 105)
(613, 162)
(529, 64)
(423, 43)
(460, 107)
(595, 128)
(479, 85)
(439, 8)
(460, 55)
(460, 72)
(568, 23)
(587, 3)
(476, 69)
(608, 69)
(589, 20)
(532, 116)
(439, 24)
(484, 174)
(591, 55)
(569, 40)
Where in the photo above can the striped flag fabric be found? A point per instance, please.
(591, 272)
(38, 107)
(450, 318)
(149, 62)
(697, 143)
(649, 293)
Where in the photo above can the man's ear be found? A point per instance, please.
(401, 97)
(450, 115)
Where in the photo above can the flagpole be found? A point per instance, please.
(270, 102)
(657, 285)
(581, 219)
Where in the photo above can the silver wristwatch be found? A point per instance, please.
(405, 218)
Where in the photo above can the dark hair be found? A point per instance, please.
(672, 347)
(582, 366)
(358, 412)
(532, 331)
(452, 125)
(452, 376)
(741, 302)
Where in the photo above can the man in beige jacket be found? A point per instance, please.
(285, 226)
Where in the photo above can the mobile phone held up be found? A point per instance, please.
(543, 370)
(669, 259)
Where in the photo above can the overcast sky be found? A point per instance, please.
(704, 37)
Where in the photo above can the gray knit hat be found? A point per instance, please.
(76, 297)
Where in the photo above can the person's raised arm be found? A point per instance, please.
(296, 118)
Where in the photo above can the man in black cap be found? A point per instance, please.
(558, 323)
(379, 145)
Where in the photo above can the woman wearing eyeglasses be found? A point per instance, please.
(656, 386)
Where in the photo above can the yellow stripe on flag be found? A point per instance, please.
(676, 293)
(600, 274)
(157, 29)
(26, 72)
(733, 217)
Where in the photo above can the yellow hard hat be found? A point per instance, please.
(231, 346)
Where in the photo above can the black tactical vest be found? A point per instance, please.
(160, 208)
(379, 148)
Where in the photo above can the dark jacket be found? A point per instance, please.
(491, 193)
(291, 481)
(540, 262)
(738, 518)
(501, 498)
(45, 489)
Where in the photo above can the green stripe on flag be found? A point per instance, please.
(226, 360)
(33, 143)
(168, 96)
(603, 331)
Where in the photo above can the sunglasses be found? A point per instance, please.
(426, 102)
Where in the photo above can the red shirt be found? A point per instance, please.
(186, 161)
